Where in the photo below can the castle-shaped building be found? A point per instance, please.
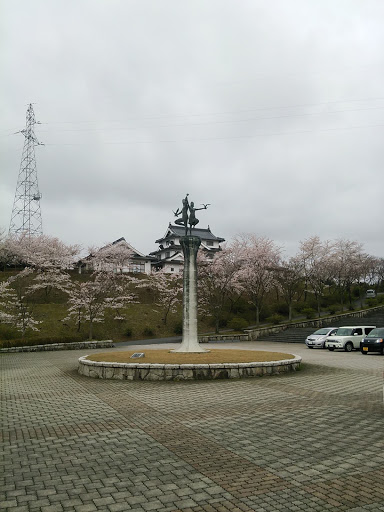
(169, 255)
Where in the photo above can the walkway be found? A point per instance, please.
(309, 441)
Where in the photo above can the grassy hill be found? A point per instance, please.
(141, 320)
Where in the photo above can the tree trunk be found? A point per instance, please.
(350, 296)
(217, 324)
(342, 299)
(257, 315)
(90, 330)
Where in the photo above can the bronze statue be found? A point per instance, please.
(186, 219)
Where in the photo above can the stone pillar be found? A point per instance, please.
(190, 343)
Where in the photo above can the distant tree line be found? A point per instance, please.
(251, 270)
(240, 282)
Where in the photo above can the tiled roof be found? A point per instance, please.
(179, 231)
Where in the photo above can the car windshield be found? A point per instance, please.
(344, 331)
(321, 332)
(376, 333)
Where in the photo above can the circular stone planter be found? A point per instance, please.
(178, 372)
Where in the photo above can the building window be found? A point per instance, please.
(209, 243)
(172, 269)
(167, 254)
(137, 268)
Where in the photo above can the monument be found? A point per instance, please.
(190, 245)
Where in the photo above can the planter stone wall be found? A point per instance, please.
(153, 372)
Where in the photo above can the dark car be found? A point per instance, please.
(373, 342)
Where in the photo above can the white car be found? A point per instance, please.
(348, 338)
(319, 337)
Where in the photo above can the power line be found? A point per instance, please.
(232, 137)
(205, 114)
(207, 123)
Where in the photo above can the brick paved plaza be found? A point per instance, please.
(312, 440)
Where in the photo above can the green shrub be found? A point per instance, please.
(147, 331)
(334, 308)
(178, 328)
(302, 305)
(128, 332)
(282, 309)
(372, 302)
(265, 312)
(299, 306)
(356, 292)
(47, 340)
(238, 323)
(8, 333)
(308, 312)
(275, 319)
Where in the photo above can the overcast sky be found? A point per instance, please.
(272, 111)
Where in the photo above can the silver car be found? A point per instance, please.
(318, 338)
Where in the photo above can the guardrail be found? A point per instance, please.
(254, 334)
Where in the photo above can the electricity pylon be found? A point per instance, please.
(26, 214)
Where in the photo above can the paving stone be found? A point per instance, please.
(88, 507)
(278, 443)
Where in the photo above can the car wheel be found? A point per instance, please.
(331, 349)
(348, 347)
(309, 346)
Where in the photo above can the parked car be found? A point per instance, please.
(374, 342)
(370, 294)
(318, 338)
(348, 338)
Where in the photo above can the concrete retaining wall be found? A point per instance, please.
(76, 345)
(146, 371)
(254, 334)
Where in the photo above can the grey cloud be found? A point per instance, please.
(270, 111)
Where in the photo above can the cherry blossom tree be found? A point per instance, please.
(168, 289)
(49, 280)
(40, 252)
(6, 254)
(15, 304)
(88, 301)
(259, 257)
(45, 260)
(348, 264)
(379, 270)
(290, 277)
(7, 301)
(316, 259)
(218, 279)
